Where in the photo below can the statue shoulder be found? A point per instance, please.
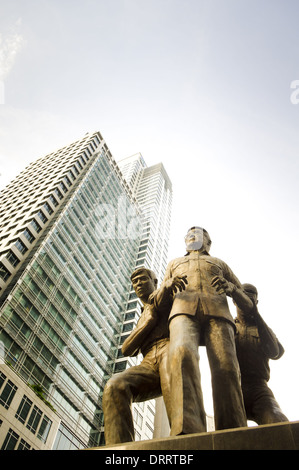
(219, 262)
(177, 261)
(215, 260)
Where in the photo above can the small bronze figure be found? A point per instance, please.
(256, 344)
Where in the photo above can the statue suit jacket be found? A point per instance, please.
(200, 269)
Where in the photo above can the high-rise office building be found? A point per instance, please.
(153, 190)
(73, 227)
(68, 242)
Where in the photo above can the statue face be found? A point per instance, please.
(143, 285)
(196, 239)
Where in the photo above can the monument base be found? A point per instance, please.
(278, 436)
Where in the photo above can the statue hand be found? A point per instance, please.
(176, 283)
(222, 285)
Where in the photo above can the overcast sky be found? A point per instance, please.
(204, 86)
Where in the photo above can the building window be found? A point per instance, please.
(123, 338)
(71, 174)
(138, 418)
(120, 366)
(36, 226)
(150, 428)
(67, 180)
(10, 441)
(34, 419)
(133, 296)
(4, 273)
(48, 208)
(20, 246)
(42, 217)
(7, 394)
(75, 169)
(44, 429)
(63, 187)
(2, 379)
(12, 258)
(131, 315)
(127, 327)
(23, 445)
(79, 164)
(23, 409)
(27, 234)
(120, 354)
(58, 193)
(53, 200)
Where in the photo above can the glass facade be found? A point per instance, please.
(153, 191)
(62, 307)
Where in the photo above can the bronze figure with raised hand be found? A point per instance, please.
(150, 378)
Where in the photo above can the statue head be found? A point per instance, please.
(144, 282)
(198, 239)
(251, 291)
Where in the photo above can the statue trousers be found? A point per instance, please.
(260, 403)
(139, 383)
(187, 406)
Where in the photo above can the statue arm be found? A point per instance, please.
(241, 299)
(159, 303)
(163, 297)
(231, 286)
(270, 344)
(146, 323)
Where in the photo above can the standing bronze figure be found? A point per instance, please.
(200, 316)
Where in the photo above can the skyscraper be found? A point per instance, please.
(68, 243)
(153, 191)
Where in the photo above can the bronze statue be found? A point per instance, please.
(256, 344)
(149, 379)
(200, 316)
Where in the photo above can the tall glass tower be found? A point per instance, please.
(68, 242)
(153, 191)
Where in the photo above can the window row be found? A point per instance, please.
(27, 413)
(13, 441)
(34, 419)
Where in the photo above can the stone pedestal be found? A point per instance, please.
(279, 436)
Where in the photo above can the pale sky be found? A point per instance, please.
(203, 86)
